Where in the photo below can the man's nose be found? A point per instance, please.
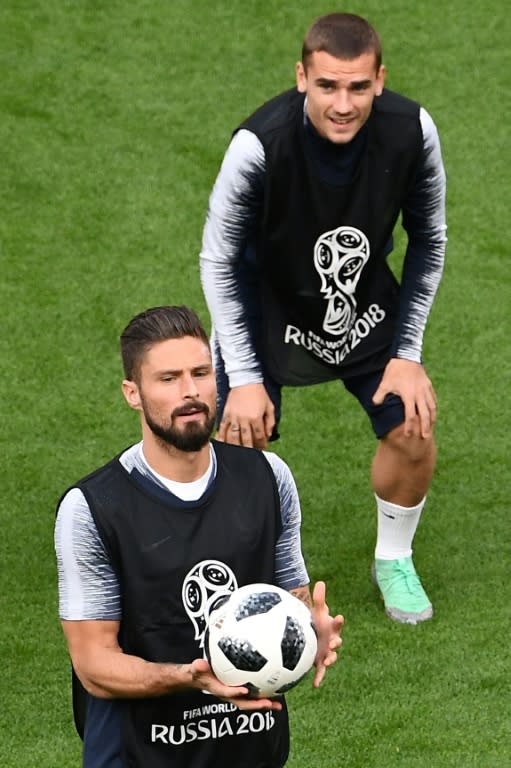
(189, 386)
(342, 101)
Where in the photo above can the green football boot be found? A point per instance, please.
(404, 597)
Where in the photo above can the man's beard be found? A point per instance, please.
(193, 435)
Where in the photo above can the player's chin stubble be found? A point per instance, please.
(192, 436)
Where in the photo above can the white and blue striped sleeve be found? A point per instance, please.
(425, 225)
(234, 207)
(88, 586)
(290, 569)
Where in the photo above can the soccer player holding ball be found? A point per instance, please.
(150, 545)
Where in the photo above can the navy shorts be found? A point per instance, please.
(383, 417)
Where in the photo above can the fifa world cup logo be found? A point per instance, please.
(206, 586)
(339, 257)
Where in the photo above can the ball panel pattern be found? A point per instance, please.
(257, 603)
(293, 643)
(287, 686)
(241, 654)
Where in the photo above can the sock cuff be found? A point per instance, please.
(389, 506)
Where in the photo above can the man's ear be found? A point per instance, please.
(131, 393)
(380, 80)
(301, 77)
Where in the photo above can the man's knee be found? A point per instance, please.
(414, 448)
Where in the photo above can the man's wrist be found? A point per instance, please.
(175, 677)
(242, 378)
(413, 356)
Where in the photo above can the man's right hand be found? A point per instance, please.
(202, 677)
(248, 418)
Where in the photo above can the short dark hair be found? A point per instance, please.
(154, 325)
(343, 35)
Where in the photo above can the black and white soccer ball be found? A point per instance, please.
(261, 637)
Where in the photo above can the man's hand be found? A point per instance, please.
(204, 679)
(409, 381)
(329, 632)
(248, 417)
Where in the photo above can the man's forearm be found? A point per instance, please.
(119, 675)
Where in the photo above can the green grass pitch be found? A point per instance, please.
(113, 121)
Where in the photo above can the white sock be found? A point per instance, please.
(396, 529)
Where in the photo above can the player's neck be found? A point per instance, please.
(181, 466)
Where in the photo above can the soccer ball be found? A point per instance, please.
(261, 637)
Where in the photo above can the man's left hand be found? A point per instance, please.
(328, 629)
(410, 382)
